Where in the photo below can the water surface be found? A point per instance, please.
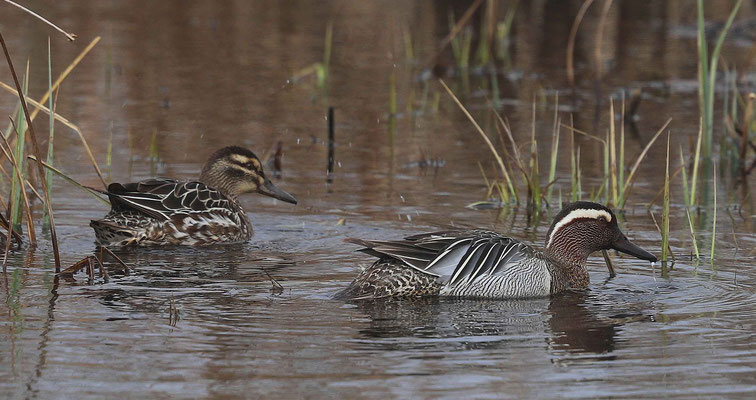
(210, 322)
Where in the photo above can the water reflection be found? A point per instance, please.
(573, 322)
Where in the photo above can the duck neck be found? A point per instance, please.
(214, 179)
(568, 250)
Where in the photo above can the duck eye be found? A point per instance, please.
(249, 166)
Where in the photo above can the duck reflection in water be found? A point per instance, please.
(570, 323)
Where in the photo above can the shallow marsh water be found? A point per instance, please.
(209, 322)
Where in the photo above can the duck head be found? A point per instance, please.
(235, 170)
(582, 228)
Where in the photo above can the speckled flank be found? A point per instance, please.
(390, 278)
(132, 228)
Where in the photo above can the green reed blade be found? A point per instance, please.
(665, 207)
(696, 162)
(20, 143)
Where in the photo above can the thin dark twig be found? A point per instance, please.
(276, 285)
(40, 169)
(103, 271)
(115, 257)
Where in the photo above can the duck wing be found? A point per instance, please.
(161, 198)
(455, 257)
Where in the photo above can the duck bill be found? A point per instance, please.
(269, 189)
(628, 247)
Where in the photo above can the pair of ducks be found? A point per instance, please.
(462, 263)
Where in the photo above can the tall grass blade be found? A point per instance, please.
(665, 208)
(495, 153)
(554, 148)
(51, 136)
(17, 178)
(696, 161)
(33, 137)
(613, 153)
(20, 128)
(686, 199)
(629, 181)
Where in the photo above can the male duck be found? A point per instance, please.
(478, 263)
(166, 211)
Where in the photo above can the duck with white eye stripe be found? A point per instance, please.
(486, 264)
(164, 211)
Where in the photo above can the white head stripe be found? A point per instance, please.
(578, 214)
(240, 158)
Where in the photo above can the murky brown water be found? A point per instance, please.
(202, 75)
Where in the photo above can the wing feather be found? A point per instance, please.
(456, 257)
(161, 198)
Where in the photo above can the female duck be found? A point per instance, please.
(165, 211)
(478, 263)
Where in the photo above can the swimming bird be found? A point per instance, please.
(164, 211)
(487, 264)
